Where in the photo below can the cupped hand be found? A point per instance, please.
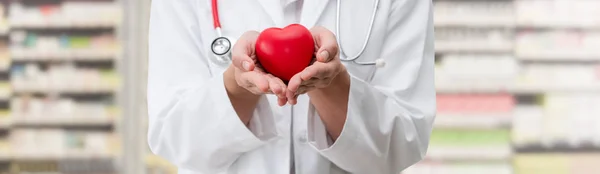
(326, 66)
(248, 73)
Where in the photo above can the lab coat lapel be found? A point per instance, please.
(311, 12)
(274, 10)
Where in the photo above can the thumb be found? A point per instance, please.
(323, 55)
(243, 62)
(326, 43)
(243, 50)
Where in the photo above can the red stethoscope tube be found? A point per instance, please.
(215, 15)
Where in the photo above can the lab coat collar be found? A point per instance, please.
(311, 11)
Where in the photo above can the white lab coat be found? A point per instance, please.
(390, 111)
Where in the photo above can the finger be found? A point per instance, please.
(323, 55)
(257, 81)
(294, 83)
(278, 81)
(317, 70)
(326, 43)
(309, 82)
(243, 50)
(294, 100)
(275, 85)
(243, 62)
(290, 96)
(309, 72)
(323, 83)
(282, 101)
(304, 90)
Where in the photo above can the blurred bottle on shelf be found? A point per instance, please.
(61, 144)
(557, 13)
(65, 78)
(67, 13)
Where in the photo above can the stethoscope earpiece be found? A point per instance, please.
(379, 63)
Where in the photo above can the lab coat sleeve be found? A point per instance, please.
(389, 119)
(192, 123)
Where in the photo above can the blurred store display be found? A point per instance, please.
(557, 163)
(557, 13)
(59, 86)
(158, 165)
(67, 14)
(428, 167)
(518, 88)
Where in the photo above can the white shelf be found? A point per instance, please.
(444, 46)
(556, 25)
(474, 21)
(37, 157)
(64, 122)
(4, 156)
(487, 153)
(551, 55)
(515, 89)
(5, 124)
(62, 25)
(4, 30)
(66, 156)
(473, 121)
(18, 54)
(82, 91)
(461, 168)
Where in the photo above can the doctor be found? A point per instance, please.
(340, 115)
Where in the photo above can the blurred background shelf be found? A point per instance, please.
(59, 86)
(472, 154)
(65, 122)
(559, 148)
(5, 125)
(512, 74)
(509, 75)
(557, 25)
(79, 92)
(473, 47)
(63, 55)
(473, 121)
(538, 89)
(59, 25)
(559, 55)
(79, 157)
(470, 22)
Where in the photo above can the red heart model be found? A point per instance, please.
(285, 52)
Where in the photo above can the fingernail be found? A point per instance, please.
(324, 55)
(246, 65)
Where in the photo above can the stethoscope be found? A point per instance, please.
(221, 45)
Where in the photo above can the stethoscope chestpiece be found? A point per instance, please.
(221, 48)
